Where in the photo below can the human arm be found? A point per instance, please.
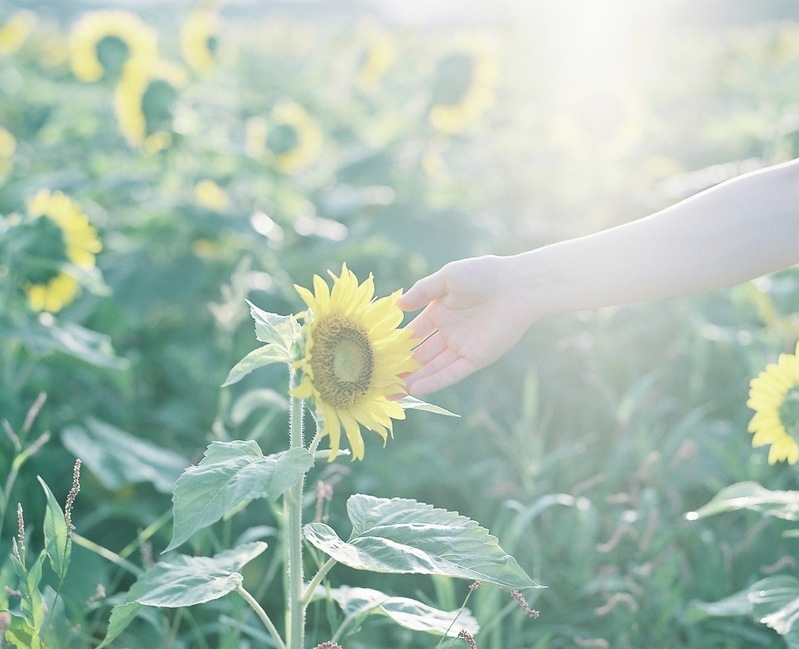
(475, 310)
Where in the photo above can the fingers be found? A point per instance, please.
(422, 292)
(451, 371)
(422, 326)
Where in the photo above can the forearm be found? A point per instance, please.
(736, 231)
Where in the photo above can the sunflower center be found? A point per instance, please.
(342, 361)
(789, 412)
(44, 251)
(453, 79)
(157, 104)
(112, 52)
(282, 139)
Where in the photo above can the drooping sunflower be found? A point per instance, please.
(774, 395)
(144, 101)
(198, 40)
(294, 138)
(103, 42)
(352, 359)
(60, 236)
(463, 89)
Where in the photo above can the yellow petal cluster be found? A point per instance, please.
(141, 41)
(81, 245)
(769, 393)
(308, 135)
(353, 358)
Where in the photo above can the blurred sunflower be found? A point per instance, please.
(607, 118)
(774, 396)
(463, 89)
(144, 104)
(352, 357)
(294, 138)
(377, 57)
(15, 31)
(103, 42)
(209, 194)
(8, 145)
(198, 40)
(57, 238)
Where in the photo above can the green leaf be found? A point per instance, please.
(231, 473)
(255, 359)
(733, 606)
(405, 536)
(406, 612)
(412, 403)
(57, 541)
(121, 617)
(72, 339)
(271, 328)
(22, 635)
(775, 602)
(754, 497)
(118, 459)
(183, 581)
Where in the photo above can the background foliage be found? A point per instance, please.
(582, 451)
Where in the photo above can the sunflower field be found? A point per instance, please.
(170, 171)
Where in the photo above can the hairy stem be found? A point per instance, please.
(292, 503)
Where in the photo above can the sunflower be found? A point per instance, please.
(352, 358)
(103, 42)
(16, 30)
(60, 236)
(209, 194)
(294, 138)
(774, 396)
(144, 101)
(377, 57)
(463, 89)
(198, 40)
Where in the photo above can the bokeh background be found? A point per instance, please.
(223, 151)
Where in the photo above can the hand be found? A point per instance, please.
(472, 315)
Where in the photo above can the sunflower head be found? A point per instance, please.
(462, 90)
(774, 395)
(144, 103)
(294, 138)
(16, 30)
(50, 248)
(198, 40)
(351, 358)
(103, 42)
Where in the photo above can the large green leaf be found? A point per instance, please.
(231, 473)
(260, 357)
(752, 496)
(118, 459)
(405, 536)
(183, 581)
(271, 328)
(57, 542)
(406, 612)
(72, 339)
(775, 602)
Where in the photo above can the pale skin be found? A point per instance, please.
(475, 310)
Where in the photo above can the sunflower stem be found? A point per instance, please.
(292, 503)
